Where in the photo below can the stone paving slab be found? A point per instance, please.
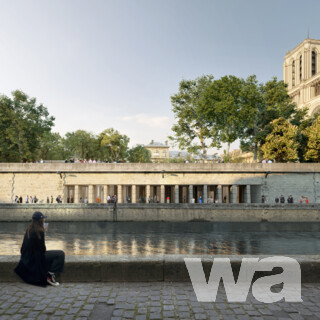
(153, 300)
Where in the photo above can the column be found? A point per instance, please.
(65, 194)
(219, 193)
(133, 194)
(76, 194)
(234, 194)
(205, 194)
(247, 194)
(312, 91)
(147, 193)
(191, 193)
(91, 196)
(106, 192)
(119, 195)
(162, 199)
(176, 193)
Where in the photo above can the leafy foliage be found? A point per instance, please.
(22, 124)
(52, 147)
(81, 144)
(268, 102)
(230, 109)
(313, 143)
(188, 105)
(139, 154)
(281, 144)
(114, 146)
(224, 110)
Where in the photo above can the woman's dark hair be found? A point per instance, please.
(37, 227)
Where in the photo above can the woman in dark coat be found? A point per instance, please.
(37, 265)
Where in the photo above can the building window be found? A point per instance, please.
(300, 68)
(156, 154)
(314, 63)
(293, 74)
(164, 153)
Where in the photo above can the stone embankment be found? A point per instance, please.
(165, 212)
(159, 268)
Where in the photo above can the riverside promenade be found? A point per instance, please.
(146, 300)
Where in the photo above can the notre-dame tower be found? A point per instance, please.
(301, 71)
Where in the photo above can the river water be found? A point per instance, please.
(151, 238)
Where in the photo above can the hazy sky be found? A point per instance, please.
(100, 64)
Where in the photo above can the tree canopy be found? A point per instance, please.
(191, 130)
(22, 124)
(139, 154)
(114, 146)
(312, 152)
(281, 144)
(81, 144)
(224, 110)
(228, 109)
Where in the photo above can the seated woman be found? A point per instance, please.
(37, 265)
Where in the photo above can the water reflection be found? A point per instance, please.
(149, 238)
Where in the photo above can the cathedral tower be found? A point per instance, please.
(301, 71)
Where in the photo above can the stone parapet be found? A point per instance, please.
(160, 268)
(165, 212)
(61, 168)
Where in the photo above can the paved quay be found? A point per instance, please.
(153, 300)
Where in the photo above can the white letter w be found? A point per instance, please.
(221, 268)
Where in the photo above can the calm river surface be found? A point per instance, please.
(149, 238)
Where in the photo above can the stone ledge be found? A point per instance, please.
(58, 168)
(159, 268)
(165, 212)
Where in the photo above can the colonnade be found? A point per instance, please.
(159, 193)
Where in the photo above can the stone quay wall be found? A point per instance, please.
(174, 183)
(164, 212)
(159, 268)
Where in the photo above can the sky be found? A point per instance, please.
(98, 64)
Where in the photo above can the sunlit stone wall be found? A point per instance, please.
(162, 183)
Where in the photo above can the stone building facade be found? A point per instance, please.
(159, 151)
(301, 71)
(161, 183)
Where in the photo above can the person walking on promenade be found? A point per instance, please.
(37, 265)
(282, 199)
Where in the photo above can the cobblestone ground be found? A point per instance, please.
(142, 301)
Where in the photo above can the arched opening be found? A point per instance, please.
(314, 63)
(293, 74)
(300, 68)
(315, 111)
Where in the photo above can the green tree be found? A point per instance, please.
(191, 129)
(265, 103)
(139, 154)
(281, 144)
(8, 146)
(312, 133)
(224, 110)
(81, 144)
(255, 121)
(52, 147)
(22, 124)
(113, 145)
